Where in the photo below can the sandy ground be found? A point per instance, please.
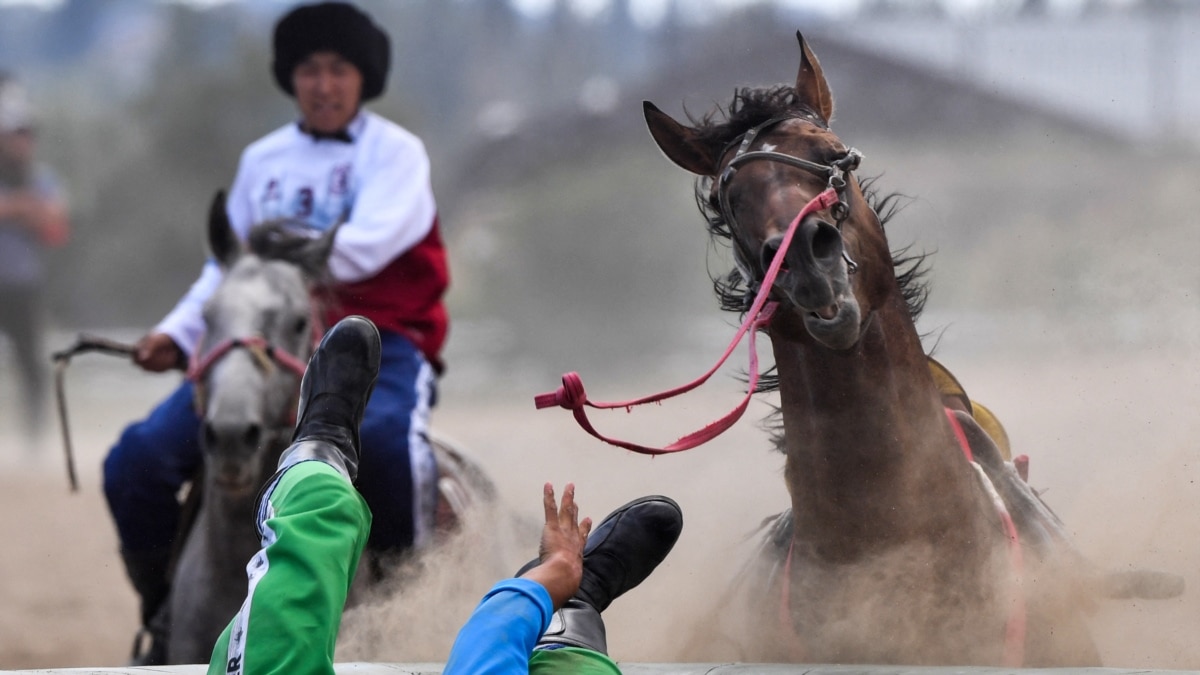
(1112, 436)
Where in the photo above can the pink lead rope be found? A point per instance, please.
(571, 394)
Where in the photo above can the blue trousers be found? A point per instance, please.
(397, 474)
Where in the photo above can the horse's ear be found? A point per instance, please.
(680, 143)
(324, 244)
(810, 81)
(222, 241)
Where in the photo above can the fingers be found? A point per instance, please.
(157, 352)
(564, 516)
(142, 349)
(568, 513)
(549, 505)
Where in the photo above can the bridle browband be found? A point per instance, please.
(837, 173)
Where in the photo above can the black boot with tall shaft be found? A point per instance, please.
(333, 395)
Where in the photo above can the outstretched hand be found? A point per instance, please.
(561, 550)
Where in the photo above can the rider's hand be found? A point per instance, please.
(157, 353)
(561, 550)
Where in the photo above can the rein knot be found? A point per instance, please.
(570, 395)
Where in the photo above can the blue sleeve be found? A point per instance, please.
(500, 635)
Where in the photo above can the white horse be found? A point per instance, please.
(259, 333)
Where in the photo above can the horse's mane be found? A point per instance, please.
(750, 108)
(288, 242)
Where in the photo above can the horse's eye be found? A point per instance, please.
(301, 325)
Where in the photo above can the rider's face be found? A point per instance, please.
(328, 89)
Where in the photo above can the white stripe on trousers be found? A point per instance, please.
(421, 459)
(256, 569)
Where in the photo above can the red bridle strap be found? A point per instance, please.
(571, 394)
(1014, 628)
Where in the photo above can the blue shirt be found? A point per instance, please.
(20, 251)
(502, 632)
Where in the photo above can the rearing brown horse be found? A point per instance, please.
(897, 552)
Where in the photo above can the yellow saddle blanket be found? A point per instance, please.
(952, 390)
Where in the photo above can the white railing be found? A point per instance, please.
(653, 669)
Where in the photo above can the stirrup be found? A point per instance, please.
(147, 649)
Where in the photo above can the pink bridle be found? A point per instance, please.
(264, 352)
(266, 356)
(571, 394)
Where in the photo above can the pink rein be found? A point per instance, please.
(571, 394)
(256, 344)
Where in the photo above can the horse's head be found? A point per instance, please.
(759, 168)
(258, 336)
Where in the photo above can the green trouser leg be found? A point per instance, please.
(571, 661)
(313, 534)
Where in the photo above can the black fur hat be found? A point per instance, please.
(337, 27)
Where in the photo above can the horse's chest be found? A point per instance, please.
(904, 606)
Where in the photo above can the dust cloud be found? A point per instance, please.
(1112, 447)
(1111, 434)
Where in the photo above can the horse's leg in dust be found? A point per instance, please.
(746, 621)
(463, 487)
(1058, 637)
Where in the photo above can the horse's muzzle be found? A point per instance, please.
(815, 281)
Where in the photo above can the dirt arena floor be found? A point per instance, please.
(1113, 436)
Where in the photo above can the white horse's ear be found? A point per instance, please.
(222, 242)
(325, 242)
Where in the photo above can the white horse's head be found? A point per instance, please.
(259, 326)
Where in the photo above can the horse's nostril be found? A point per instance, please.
(252, 436)
(826, 242)
(770, 249)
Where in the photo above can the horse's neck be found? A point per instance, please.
(226, 525)
(870, 456)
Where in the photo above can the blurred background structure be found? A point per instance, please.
(1050, 148)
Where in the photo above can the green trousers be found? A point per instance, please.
(571, 661)
(313, 532)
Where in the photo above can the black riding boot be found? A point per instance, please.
(620, 553)
(333, 395)
(147, 572)
(577, 624)
(626, 547)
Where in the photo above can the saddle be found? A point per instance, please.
(955, 397)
